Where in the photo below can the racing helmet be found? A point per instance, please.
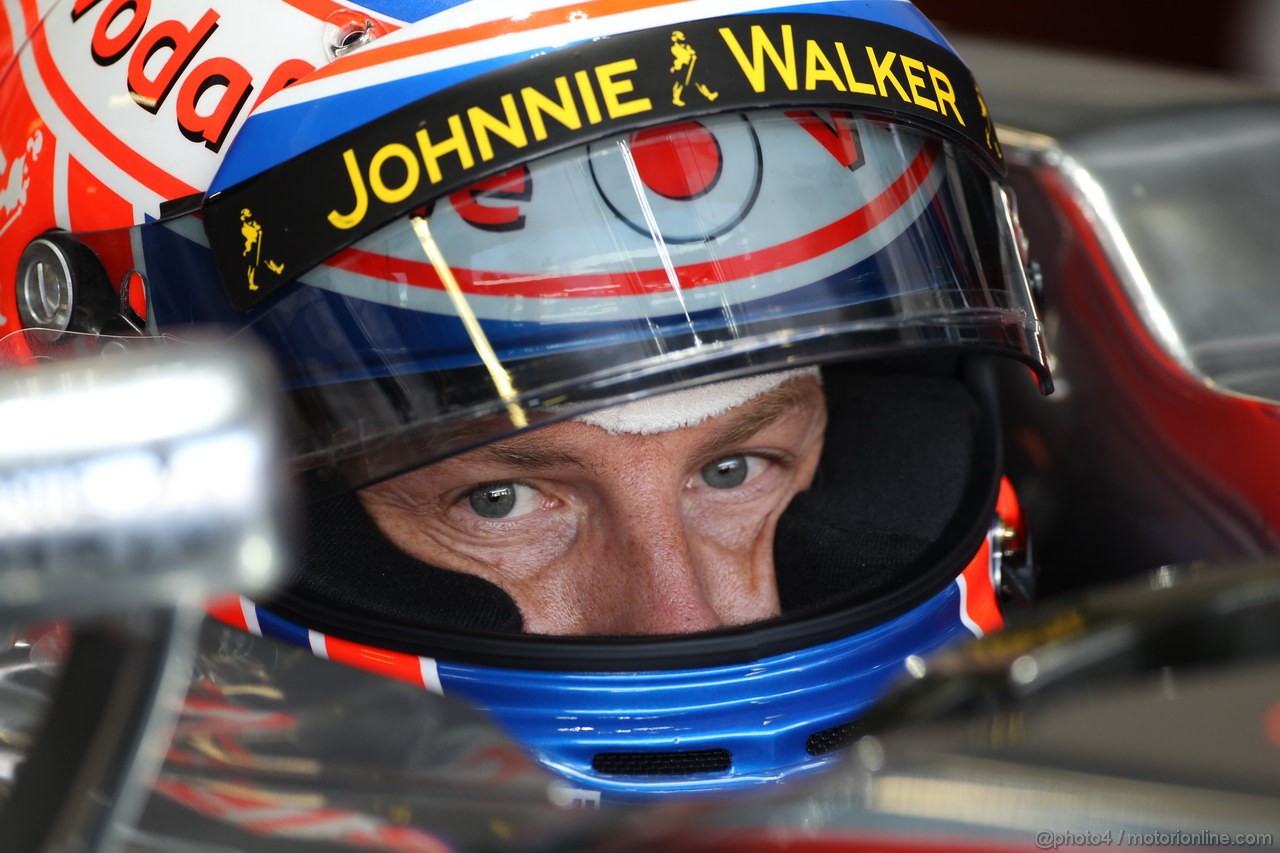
(484, 222)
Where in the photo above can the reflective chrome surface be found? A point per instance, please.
(132, 486)
(137, 479)
(277, 749)
(1180, 176)
(1149, 197)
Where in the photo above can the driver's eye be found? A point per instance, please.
(503, 500)
(727, 473)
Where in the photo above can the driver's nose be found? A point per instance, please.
(660, 588)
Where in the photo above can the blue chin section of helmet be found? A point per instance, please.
(628, 735)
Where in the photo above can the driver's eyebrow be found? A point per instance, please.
(527, 454)
(757, 414)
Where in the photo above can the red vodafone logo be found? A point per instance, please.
(683, 182)
(169, 59)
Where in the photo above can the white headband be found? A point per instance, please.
(690, 407)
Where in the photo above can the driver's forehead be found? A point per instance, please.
(569, 442)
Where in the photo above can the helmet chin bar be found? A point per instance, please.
(63, 287)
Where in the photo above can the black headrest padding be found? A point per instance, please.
(350, 567)
(895, 468)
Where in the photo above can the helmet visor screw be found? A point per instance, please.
(46, 287)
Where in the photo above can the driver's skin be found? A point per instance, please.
(617, 524)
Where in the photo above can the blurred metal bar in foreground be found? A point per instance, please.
(133, 486)
(137, 479)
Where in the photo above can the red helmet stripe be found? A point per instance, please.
(425, 45)
(631, 282)
(397, 665)
(978, 595)
(228, 610)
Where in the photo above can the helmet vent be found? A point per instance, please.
(662, 763)
(830, 740)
